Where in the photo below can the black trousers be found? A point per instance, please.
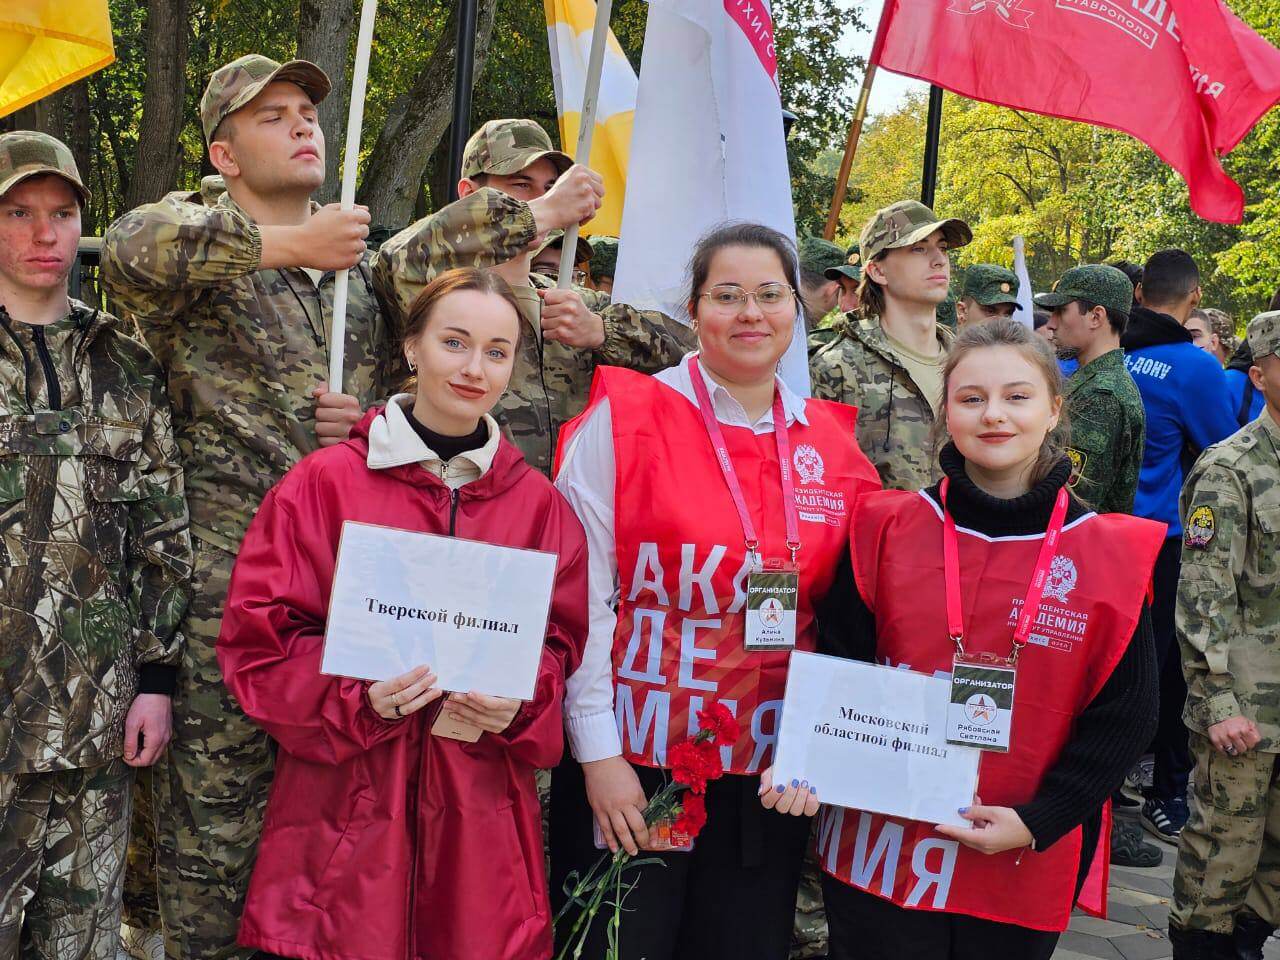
(1170, 748)
(865, 927)
(732, 897)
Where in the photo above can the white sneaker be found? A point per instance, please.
(136, 944)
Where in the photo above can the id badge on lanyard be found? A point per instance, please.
(773, 589)
(980, 711)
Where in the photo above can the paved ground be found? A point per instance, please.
(1138, 919)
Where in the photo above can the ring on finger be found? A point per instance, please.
(1231, 749)
(398, 713)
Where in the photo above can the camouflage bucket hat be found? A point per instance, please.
(1264, 334)
(989, 284)
(849, 267)
(504, 147)
(604, 257)
(232, 86)
(25, 154)
(1093, 283)
(818, 255)
(904, 223)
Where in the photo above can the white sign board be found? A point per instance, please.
(873, 738)
(474, 612)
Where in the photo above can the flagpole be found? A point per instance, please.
(586, 127)
(932, 133)
(350, 167)
(850, 148)
(464, 68)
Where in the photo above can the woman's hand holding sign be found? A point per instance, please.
(994, 830)
(491, 714)
(798, 799)
(408, 693)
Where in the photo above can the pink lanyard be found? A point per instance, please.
(1035, 590)
(731, 477)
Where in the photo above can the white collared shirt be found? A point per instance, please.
(586, 480)
(393, 442)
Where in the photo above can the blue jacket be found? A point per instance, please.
(1240, 388)
(1184, 393)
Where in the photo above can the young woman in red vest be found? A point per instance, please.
(689, 484)
(999, 559)
(386, 839)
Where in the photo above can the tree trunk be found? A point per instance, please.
(324, 33)
(156, 163)
(414, 125)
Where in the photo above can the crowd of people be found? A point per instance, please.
(176, 770)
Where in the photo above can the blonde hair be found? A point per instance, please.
(1007, 332)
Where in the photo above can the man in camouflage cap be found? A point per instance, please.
(515, 189)
(95, 561)
(1089, 307)
(1226, 886)
(604, 264)
(889, 363)
(234, 293)
(989, 292)
(819, 292)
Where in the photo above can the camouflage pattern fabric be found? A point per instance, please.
(1108, 430)
(1228, 607)
(809, 935)
(504, 147)
(990, 284)
(28, 153)
(904, 223)
(1229, 851)
(140, 904)
(895, 420)
(604, 257)
(62, 843)
(1094, 283)
(551, 380)
(233, 85)
(94, 550)
(243, 348)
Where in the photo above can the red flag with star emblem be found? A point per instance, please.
(1186, 77)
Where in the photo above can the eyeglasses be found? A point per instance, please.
(579, 277)
(769, 297)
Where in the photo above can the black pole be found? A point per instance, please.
(463, 71)
(932, 133)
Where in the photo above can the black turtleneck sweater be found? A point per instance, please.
(1111, 732)
(446, 447)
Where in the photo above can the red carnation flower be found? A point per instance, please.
(720, 723)
(689, 765)
(693, 815)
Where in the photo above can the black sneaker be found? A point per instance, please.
(1164, 819)
(1128, 849)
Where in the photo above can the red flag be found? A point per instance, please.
(1186, 77)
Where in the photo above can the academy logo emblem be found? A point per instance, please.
(808, 463)
(771, 612)
(1012, 12)
(1202, 527)
(980, 709)
(1061, 580)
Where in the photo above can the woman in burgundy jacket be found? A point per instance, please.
(383, 841)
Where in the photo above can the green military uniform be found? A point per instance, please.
(1104, 407)
(845, 266)
(604, 258)
(551, 380)
(863, 368)
(1228, 620)
(990, 285)
(243, 348)
(95, 559)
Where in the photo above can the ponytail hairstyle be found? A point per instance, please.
(1007, 332)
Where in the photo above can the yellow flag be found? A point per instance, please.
(47, 44)
(569, 27)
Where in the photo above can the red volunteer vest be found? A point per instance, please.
(682, 562)
(1090, 608)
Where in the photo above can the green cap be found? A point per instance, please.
(604, 257)
(582, 253)
(25, 154)
(232, 86)
(1264, 334)
(904, 223)
(989, 284)
(504, 147)
(849, 266)
(818, 255)
(1093, 283)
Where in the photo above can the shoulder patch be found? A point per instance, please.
(1202, 527)
(1079, 460)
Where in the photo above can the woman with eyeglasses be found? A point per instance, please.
(700, 487)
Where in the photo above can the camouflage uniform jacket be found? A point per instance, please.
(1228, 609)
(551, 380)
(95, 556)
(895, 420)
(1108, 428)
(243, 348)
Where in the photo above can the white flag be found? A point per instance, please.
(707, 147)
(1026, 305)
